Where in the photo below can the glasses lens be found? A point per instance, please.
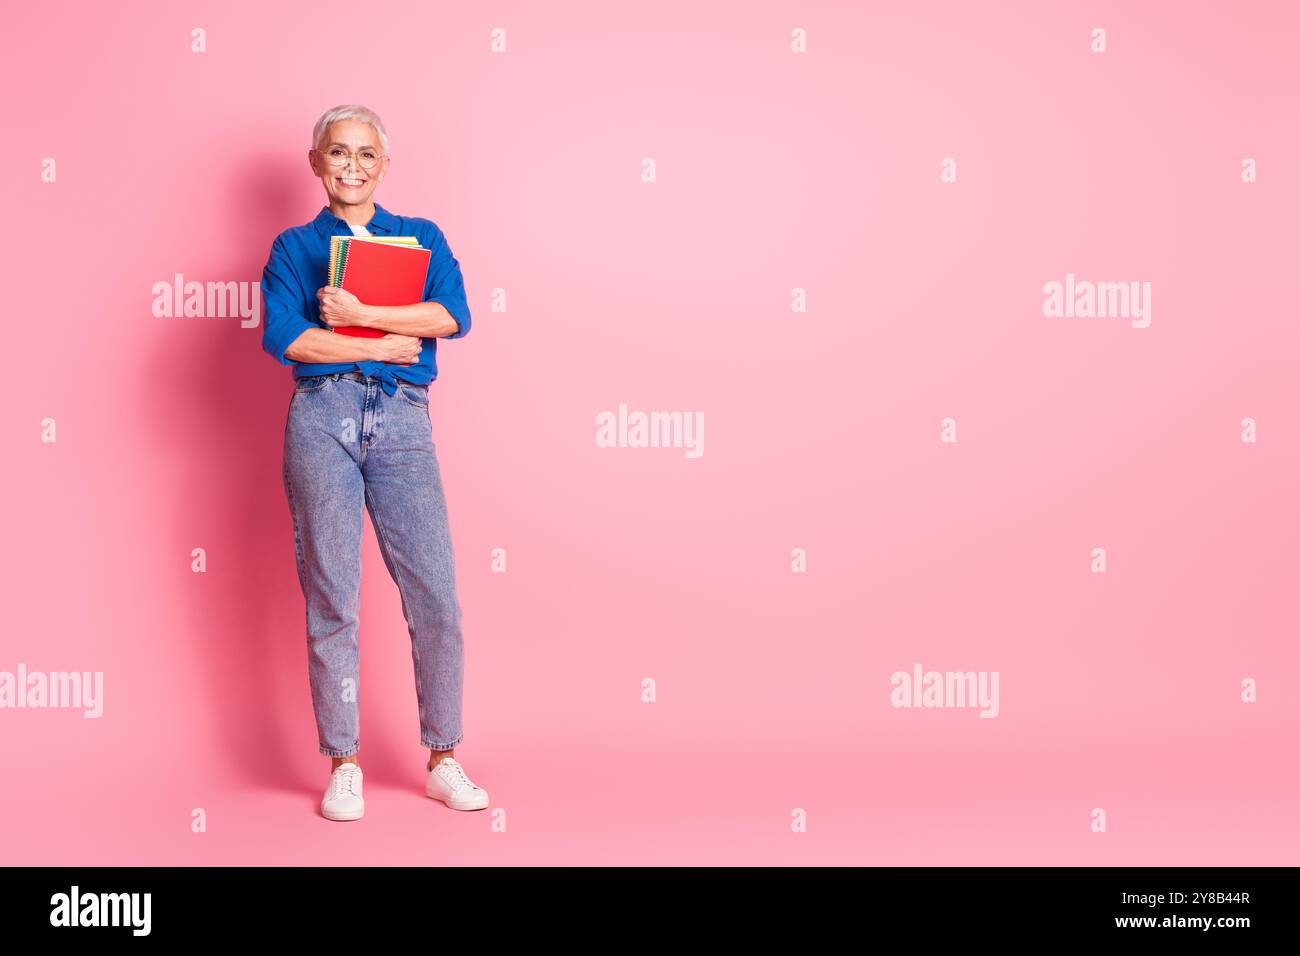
(366, 159)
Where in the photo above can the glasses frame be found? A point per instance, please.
(351, 155)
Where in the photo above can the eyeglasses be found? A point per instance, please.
(337, 157)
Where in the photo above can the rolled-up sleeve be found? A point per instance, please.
(283, 307)
(445, 284)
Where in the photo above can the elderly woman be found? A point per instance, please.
(358, 434)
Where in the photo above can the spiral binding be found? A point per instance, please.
(344, 243)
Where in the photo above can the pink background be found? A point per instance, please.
(775, 171)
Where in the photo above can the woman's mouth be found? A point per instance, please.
(349, 183)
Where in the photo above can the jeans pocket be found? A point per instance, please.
(417, 395)
(311, 383)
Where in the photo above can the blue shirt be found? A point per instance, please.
(299, 265)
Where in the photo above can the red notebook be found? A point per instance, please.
(378, 273)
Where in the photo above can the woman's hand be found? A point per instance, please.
(396, 348)
(340, 307)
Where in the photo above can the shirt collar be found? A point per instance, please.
(327, 224)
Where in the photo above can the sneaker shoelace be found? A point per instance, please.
(454, 774)
(345, 782)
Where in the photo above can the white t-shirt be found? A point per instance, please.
(359, 230)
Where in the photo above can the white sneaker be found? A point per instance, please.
(342, 799)
(447, 782)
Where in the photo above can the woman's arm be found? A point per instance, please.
(428, 320)
(320, 346)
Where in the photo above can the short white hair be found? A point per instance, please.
(349, 112)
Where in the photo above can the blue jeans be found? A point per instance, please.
(347, 443)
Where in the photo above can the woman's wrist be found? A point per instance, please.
(367, 316)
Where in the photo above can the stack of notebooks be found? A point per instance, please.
(378, 270)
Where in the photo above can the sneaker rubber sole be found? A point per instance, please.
(455, 805)
(343, 814)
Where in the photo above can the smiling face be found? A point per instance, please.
(351, 142)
